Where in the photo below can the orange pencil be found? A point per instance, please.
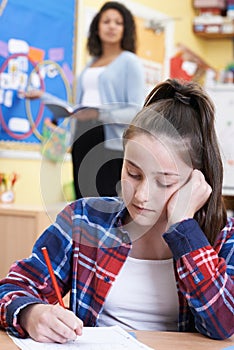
(53, 278)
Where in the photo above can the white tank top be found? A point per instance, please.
(143, 297)
(91, 96)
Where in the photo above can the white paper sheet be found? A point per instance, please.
(93, 338)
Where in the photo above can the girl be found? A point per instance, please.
(158, 258)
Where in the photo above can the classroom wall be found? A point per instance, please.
(217, 53)
(40, 182)
(30, 188)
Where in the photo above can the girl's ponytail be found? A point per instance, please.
(192, 113)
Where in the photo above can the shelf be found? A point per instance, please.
(215, 35)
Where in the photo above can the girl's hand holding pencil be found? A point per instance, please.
(50, 323)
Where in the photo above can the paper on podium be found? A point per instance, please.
(93, 338)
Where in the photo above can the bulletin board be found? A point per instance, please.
(37, 51)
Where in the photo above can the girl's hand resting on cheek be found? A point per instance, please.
(189, 198)
(50, 323)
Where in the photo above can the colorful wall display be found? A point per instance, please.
(36, 52)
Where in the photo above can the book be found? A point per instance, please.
(61, 108)
(93, 338)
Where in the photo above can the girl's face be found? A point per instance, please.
(152, 172)
(111, 26)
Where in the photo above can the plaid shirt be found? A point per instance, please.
(88, 246)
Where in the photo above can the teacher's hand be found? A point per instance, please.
(31, 94)
(86, 114)
(50, 323)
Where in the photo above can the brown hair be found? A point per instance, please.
(129, 36)
(183, 112)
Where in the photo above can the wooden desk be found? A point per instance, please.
(181, 341)
(157, 341)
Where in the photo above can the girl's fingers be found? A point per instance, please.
(68, 318)
(50, 323)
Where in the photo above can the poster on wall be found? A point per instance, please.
(36, 52)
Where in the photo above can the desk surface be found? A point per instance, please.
(158, 341)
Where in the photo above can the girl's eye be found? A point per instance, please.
(162, 185)
(134, 175)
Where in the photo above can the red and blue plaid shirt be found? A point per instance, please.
(88, 245)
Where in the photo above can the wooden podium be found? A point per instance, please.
(20, 225)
